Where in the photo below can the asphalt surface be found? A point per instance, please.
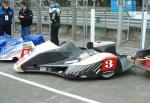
(130, 87)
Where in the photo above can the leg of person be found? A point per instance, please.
(23, 32)
(8, 30)
(27, 30)
(1, 30)
(54, 34)
(26, 33)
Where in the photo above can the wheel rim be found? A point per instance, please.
(108, 74)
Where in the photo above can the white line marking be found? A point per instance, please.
(49, 88)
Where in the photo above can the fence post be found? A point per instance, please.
(39, 24)
(74, 16)
(93, 22)
(85, 23)
(120, 21)
(86, 19)
(143, 27)
(13, 21)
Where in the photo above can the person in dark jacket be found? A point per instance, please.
(54, 12)
(25, 16)
(6, 15)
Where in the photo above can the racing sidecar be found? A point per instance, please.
(142, 59)
(72, 62)
(13, 48)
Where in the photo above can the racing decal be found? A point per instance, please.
(25, 51)
(109, 64)
(27, 45)
(27, 48)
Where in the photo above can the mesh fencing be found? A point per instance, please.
(106, 23)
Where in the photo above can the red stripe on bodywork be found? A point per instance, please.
(25, 51)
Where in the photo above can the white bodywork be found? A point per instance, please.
(37, 50)
(96, 58)
(98, 44)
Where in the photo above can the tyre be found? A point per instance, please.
(107, 74)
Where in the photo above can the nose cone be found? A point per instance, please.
(17, 68)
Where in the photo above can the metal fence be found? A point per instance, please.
(106, 23)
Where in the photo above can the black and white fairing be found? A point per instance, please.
(71, 62)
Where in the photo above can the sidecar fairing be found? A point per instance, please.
(71, 62)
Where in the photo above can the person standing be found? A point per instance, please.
(6, 15)
(25, 16)
(54, 12)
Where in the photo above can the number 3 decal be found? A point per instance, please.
(109, 64)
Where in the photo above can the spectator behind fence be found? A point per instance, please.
(25, 16)
(54, 12)
(6, 15)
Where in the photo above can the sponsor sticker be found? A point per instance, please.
(11, 54)
(83, 76)
(43, 69)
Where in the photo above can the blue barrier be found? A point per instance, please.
(130, 4)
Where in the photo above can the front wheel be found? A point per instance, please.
(108, 69)
(107, 74)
